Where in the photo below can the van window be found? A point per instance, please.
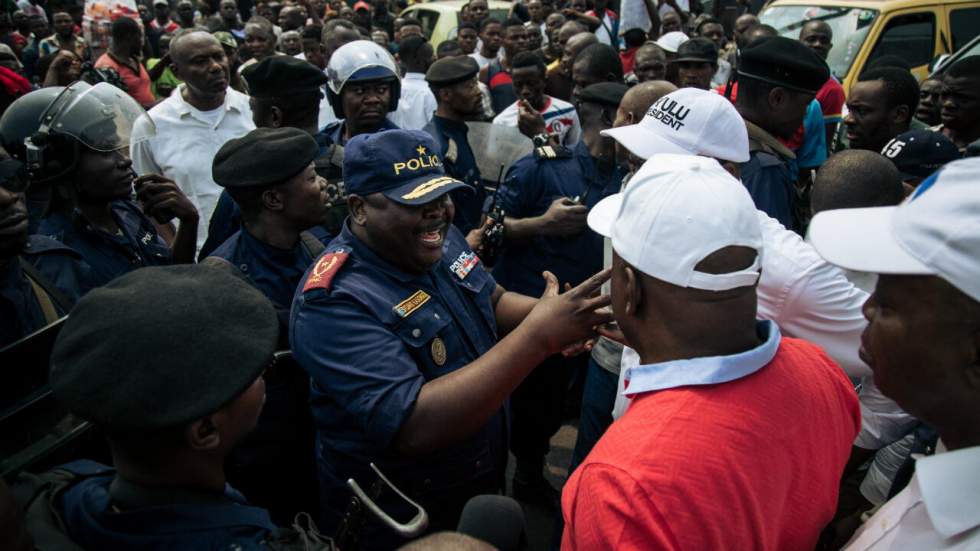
(911, 37)
(428, 19)
(964, 24)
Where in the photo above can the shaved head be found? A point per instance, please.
(183, 45)
(856, 178)
(640, 97)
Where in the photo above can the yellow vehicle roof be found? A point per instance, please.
(882, 5)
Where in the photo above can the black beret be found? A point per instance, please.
(784, 62)
(162, 346)
(281, 75)
(605, 93)
(263, 157)
(698, 49)
(451, 70)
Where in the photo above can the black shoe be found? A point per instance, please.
(536, 491)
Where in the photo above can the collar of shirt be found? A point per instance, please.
(449, 125)
(705, 371)
(951, 489)
(414, 76)
(234, 101)
(269, 253)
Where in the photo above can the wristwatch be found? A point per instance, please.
(541, 140)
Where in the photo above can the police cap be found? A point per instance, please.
(282, 75)
(162, 346)
(452, 70)
(784, 62)
(404, 165)
(263, 157)
(609, 94)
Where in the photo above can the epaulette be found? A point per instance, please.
(326, 267)
(41, 244)
(548, 152)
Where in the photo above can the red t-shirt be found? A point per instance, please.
(138, 85)
(628, 57)
(754, 463)
(831, 99)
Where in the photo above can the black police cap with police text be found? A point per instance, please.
(162, 346)
(604, 93)
(282, 75)
(784, 62)
(451, 70)
(263, 157)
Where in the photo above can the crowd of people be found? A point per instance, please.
(274, 265)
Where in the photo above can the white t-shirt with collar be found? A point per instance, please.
(185, 143)
(416, 105)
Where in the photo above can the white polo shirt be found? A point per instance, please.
(937, 510)
(560, 119)
(416, 105)
(185, 144)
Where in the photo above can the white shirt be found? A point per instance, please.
(560, 119)
(184, 146)
(806, 296)
(682, 4)
(416, 105)
(939, 509)
(484, 61)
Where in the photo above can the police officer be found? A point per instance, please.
(270, 174)
(546, 197)
(363, 88)
(171, 414)
(79, 151)
(777, 79)
(398, 322)
(285, 92)
(40, 278)
(453, 82)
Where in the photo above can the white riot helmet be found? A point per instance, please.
(358, 61)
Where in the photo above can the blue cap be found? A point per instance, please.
(919, 153)
(403, 164)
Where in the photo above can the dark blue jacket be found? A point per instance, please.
(162, 520)
(460, 163)
(529, 189)
(370, 340)
(110, 256)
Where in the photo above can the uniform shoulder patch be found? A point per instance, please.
(323, 272)
(548, 152)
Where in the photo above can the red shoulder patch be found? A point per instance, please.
(325, 269)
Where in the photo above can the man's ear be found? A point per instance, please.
(275, 117)
(901, 114)
(203, 435)
(777, 96)
(357, 208)
(272, 200)
(632, 291)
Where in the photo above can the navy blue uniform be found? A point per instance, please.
(335, 130)
(61, 267)
(278, 453)
(460, 163)
(768, 176)
(274, 271)
(103, 512)
(532, 184)
(110, 255)
(371, 335)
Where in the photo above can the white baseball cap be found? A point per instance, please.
(677, 210)
(936, 231)
(672, 40)
(688, 121)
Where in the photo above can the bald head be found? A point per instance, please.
(856, 179)
(186, 43)
(639, 98)
(568, 30)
